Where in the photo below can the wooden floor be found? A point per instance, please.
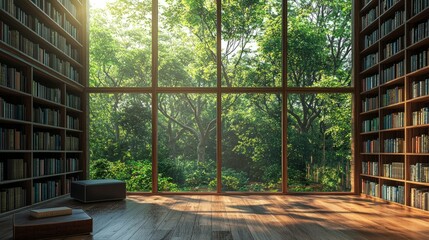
(246, 217)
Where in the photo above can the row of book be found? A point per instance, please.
(419, 172)
(73, 101)
(393, 193)
(72, 143)
(46, 141)
(371, 125)
(370, 17)
(392, 96)
(394, 170)
(46, 166)
(419, 32)
(370, 103)
(370, 82)
(371, 146)
(418, 6)
(57, 16)
(421, 117)
(370, 168)
(14, 38)
(420, 88)
(394, 71)
(370, 39)
(69, 180)
(72, 122)
(72, 164)
(393, 120)
(48, 93)
(420, 198)
(394, 145)
(370, 188)
(12, 139)
(420, 144)
(370, 60)
(394, 47)
(419, 60)
(12, 169)
(46, 116)
(391, 24)
(45, 190)
(12, 111)
(12, 198)
(55, 39)
(387, 4)
(13, 78)
(43, 31)
(68, 4)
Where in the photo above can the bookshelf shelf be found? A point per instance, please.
(393, 34)
(392, 179)
(10, 120)
(392, 130)
(37, 85)
(421, 71)
(370, 49)
(370, 70)
(402, 48)
(419, 17)
(419, 183)
(418, 126)
(14, 181)
(391, 10)
(398, 56)
(369, 176)
(368, 6)
(37, 38)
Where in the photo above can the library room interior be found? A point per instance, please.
(214, 119)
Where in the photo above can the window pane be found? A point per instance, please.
(251, 142)
(120, 45)
(187, 142)
(319, 43)
(319, 142)
(187, 43)
(251, 43)
(120, 139)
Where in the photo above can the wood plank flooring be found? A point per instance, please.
(273, 217)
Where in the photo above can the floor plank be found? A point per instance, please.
(258, 217)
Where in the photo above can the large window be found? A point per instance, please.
(222, 96)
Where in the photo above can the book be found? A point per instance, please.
(50, 212)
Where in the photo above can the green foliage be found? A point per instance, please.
(99, 169)
(201, 175)
(232, 180)
(319, 129)
(136, 174)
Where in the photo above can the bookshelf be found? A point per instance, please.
(43, 75)
(392, 77)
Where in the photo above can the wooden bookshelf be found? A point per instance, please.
(392, 75)
(43, 75)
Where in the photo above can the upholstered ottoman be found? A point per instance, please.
(98, 190)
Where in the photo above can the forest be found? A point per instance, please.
(319, 127)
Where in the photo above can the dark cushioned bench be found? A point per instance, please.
(98, 190)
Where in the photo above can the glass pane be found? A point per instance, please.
(251, 43)
(120, 139)
(187, 43)
(187, 142)
(120, 44)
(319, 142)
(251, 142)
(319, 39)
